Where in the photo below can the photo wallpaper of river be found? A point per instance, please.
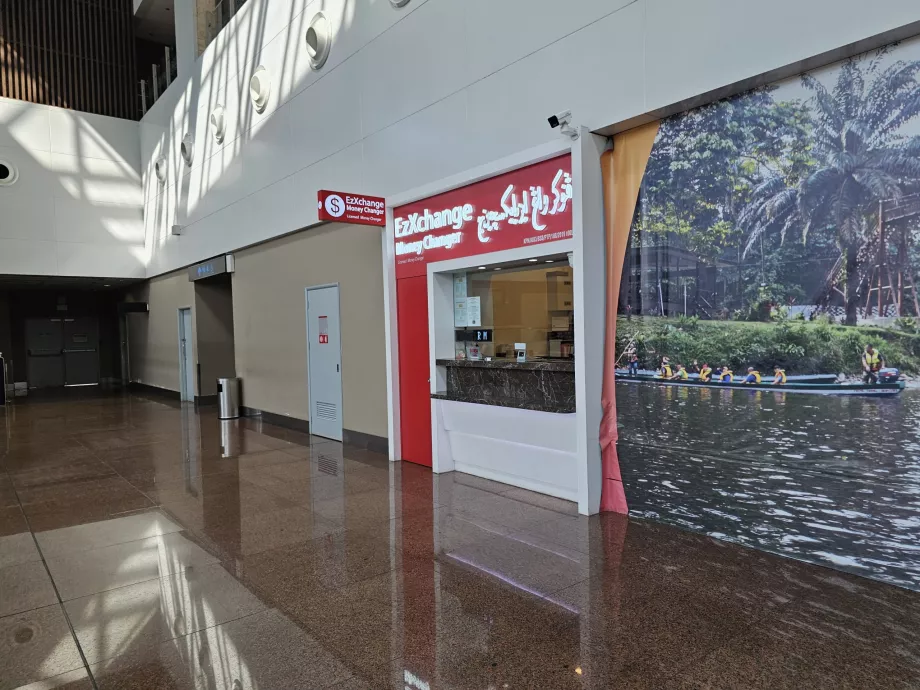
(768, 331)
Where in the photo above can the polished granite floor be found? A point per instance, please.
(143, 545)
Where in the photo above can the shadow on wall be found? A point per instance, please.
(224, 80)
(76, 186)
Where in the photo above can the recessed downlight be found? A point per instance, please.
(399, 3)
(549, 261)
(482, 268)
(533, 261)
(8, 174)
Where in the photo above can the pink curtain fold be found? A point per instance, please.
(623, 169)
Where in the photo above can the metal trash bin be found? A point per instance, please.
(228, 398)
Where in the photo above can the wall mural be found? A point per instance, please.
(768, 329)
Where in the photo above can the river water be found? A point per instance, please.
(833, 480)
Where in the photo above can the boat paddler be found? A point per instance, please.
(872, 363)
(779, 376)
(681, 374)
(665, 371)
(753, 376)
(633, 367)
(705, 373)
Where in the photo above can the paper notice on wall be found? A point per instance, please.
(473, 312)
(560, 323)
(460, 313)
(459, 286)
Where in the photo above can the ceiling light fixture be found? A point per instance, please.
(8, 174)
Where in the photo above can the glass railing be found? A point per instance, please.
(157, 79)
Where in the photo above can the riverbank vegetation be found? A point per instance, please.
(799, 347)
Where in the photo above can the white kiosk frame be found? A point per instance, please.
(579, 454)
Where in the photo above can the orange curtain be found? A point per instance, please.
(623, 169)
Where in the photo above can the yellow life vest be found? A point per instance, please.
(725, 376)
(779, 377)
(705, 373)
(873, 361)
(666, 371)
(683, 374)
(756, 376)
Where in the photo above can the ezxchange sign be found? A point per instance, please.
(526, 206)
(359, 209)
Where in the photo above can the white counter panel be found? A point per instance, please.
(525, 448)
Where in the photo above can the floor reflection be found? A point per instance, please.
(186, 552)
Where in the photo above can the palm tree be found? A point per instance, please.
(861, 158)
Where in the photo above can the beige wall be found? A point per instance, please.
(153, 338)
(270, 321)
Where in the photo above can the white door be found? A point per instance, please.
(324, 361)
(186, 365)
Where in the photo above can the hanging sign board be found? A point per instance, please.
(359, 209)
(531, 205)
(206, 269)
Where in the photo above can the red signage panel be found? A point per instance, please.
(531, 205)
(359, 209)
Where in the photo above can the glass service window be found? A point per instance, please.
(498, 307)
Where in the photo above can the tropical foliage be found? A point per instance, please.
(860, 159)
(777, 198)
(797, 346)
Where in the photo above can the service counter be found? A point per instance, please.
(510, 421)
(545, 385)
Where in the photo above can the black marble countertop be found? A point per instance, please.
(531, 365)
(546, 405)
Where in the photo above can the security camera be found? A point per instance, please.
(563, 121)
(558, 119)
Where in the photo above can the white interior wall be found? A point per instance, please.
(438, 87)
(77, 208)
(408, 96)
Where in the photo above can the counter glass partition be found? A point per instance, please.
(514, 337)
(520, 313)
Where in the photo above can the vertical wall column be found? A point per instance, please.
(590, 281)
(186, 20)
